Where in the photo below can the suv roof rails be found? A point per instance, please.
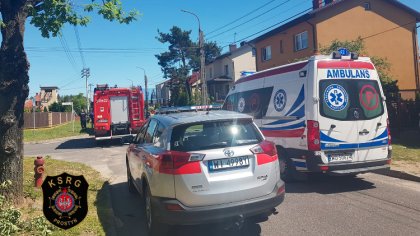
(168, 110)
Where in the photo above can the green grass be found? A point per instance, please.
(61, 131)
(406, 147)
(403, 153)
(99, 209)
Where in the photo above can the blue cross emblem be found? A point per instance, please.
(280, 100)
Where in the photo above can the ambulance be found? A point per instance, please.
(325, 114)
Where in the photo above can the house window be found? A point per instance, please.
(281, 46)
(301, 41)
(226, 70)
(266, 53)
(367, 6)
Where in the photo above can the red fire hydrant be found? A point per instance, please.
(39, 171)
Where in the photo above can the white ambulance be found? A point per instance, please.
(326, 114)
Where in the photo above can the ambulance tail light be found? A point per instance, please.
(389, 131)
(313, 135)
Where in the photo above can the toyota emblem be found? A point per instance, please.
(228, 153)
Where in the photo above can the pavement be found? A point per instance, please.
(369, 204)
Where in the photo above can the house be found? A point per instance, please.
(223, 71)
(163, 94)
(48, 95)
(387, 27)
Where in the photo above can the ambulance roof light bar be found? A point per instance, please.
(344, 53)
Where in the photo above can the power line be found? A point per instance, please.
(267, 19)
(281, 4)
(247, 14)
(68, 54)
(79, 45)
(272, 26)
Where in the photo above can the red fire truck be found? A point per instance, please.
(118, 112)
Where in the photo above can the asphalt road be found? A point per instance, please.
(369, 204)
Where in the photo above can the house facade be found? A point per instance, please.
(387, 27)
(48, 95)
(221, 73)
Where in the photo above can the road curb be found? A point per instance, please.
(400, 175)
(58, 139)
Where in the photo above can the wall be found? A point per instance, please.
(289, 54)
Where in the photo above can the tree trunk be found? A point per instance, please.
(14, 90)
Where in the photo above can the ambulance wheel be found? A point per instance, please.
(287, 169)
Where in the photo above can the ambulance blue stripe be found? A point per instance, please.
(279, 122)
(327, 138)
(298, 101)
(299, 113)
(295, 126)
(383, 135)
(355, 145)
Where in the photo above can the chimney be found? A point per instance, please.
(316, 4)
(329, 1)
(232, 47)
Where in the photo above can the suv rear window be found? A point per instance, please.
(350, 99)
(216, 134)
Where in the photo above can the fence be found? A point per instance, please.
(45, 119)
(403, 115)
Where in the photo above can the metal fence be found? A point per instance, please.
(45, 119)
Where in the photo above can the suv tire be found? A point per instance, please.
(154, 227)
(130, 183)
(287, 169)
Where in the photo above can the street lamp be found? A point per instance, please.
(145, 87)
(132, 82)
(201, 45)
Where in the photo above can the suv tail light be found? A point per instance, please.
(178, 163)
(314, 143)
(389, 131)
(266, 152)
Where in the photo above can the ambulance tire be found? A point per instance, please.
(287, 169)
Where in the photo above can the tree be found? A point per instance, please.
(182, 56)
(49, 16)
(389, 85)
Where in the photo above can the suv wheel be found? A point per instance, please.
(130, 184)
(153, 226)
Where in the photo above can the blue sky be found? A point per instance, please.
(113, 51)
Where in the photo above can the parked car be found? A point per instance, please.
(195, 167)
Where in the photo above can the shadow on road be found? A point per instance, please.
(130, 220)
(83, 143)
(325, 184)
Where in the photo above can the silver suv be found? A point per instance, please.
(196, 167)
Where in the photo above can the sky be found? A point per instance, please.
(114, 52)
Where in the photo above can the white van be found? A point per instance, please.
(326, 114)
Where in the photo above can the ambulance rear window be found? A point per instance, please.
(350, 99)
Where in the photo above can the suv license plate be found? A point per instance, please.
(228, 163)
(339, 157)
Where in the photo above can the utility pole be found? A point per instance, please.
(202, 62)
(86, 74)
(145, 87)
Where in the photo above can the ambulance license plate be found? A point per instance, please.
(340, 157)
(228, 163)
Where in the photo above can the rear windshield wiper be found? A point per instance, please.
(215, 145)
